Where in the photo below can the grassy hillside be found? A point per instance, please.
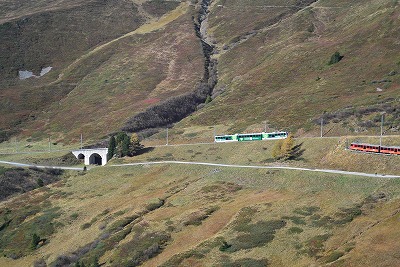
(175, 215)
(275, 67)
(270, 60)
(180, 215)
(99, 56)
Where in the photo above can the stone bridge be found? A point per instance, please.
(97, 156)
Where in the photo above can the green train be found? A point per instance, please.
(250, 137)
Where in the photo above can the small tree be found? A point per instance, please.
(35, 241)
(276, 150)
(111, 147)
(122, 145)
(125, 146)
(135, 145)
(286, 149)
(335, 58)
(40, 182)
(208, 99)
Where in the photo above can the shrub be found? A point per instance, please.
(35, 241)
(155, 204)
(224, 246)
(256, 235)
(295, 219)
(40, 182)
(295, 230)
(134, 146)
(335, 255)
(208, 99)
(335, 58)
(85, 226)
(111, 147)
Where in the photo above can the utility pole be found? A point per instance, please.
(380, 139)
(214, 134)
(81, 141)
(167, 137)
(322, 123)
(265, 126)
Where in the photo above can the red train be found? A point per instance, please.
(375, 148)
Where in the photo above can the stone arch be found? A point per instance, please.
(95, 159)
(81, 156)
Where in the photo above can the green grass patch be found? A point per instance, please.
(295, 219)
(295, 230)
(334, 256)
(253, 235)
(19, 236)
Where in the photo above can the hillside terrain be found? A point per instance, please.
(140, 65)
(180, 215)
(178, 72)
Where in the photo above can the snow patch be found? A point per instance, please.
(45, 71)
(26, 74)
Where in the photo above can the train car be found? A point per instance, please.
(395, 150)
(250, 137)
(390, 150)
(275, 135)
(226, 138)
(364, 147)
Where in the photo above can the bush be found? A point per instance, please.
(256, 235)
(40, 182)
(295, 219)
(35, 241)
(155, 205)
(335, 58)
(111, 147)
(295, 230)
(225, 246)
(85, 226)
(334, 256)
(208, 99)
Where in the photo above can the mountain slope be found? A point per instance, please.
(179, 215)
(278, 70)
(58, 35)
(269, 60)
